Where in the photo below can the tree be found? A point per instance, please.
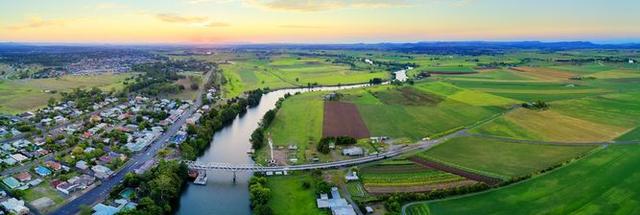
(51, 102)
(194, 86)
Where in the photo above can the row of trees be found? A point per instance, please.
(157, 190)
(201, 135)
(258, 136)
(259, 195)
(537, 105)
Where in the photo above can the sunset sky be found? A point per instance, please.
(321, 21)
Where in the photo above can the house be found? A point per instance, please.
(21, 143)
(19, 157)
(353, 151)
(67, 188)
(26, 115)
(82, 165)
(23, 176)
(101, 172)
(60, 119)
(102, 209)
(9, 161)
(351, 176)
(337, 204)
(55, 166)
(194, 119)
(15, 206)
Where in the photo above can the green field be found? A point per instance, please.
(399, 112)
(29, 94)
(409, 174)
(385, 114)
(501, 158)
(290, 70)
(287, 190)
(299, 122)
(603, 183)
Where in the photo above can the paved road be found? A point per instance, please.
(335, 164)
(102, 191)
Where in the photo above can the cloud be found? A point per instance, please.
(110, 5)
(322, 5)
(174, 18)
(208, 1)
(301, 26)
(217, 24)
(36, 22)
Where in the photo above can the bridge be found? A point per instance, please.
(328, 165)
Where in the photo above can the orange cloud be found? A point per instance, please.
(36, 22)
(169, 17)
(321, 5)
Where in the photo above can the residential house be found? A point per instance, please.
(15, 206)
(19, 157)
(67, 188)
(82, 165)
(55, 166)
(23, 176)
(101, 172)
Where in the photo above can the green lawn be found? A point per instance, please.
(602, 183)
(28, 94)
(288, 196)
(500, 158)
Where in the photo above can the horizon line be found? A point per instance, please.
(595, 42)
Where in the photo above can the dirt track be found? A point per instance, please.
(470, 175)
(343, 119)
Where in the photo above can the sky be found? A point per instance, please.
(319, 21)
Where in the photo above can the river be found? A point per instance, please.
(230, 145)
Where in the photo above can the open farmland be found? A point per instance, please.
(550, 125)
(501, 159)
(29, 94)
(603, 183)
(289, 70)
(343, 119)
(386, 117)
(407, 177)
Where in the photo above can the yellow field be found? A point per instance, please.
(29, 94)
(552, 126)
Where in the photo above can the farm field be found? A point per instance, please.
(299, 122)
(602, 183)
(406, 176)
(288, 189)
(414, 113)
(29, 94)
(501, 159)
(343, 119)
(289, 70)
(411, 112)
(589, 119)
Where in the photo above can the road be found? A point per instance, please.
(422, 145)
(102, 191)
